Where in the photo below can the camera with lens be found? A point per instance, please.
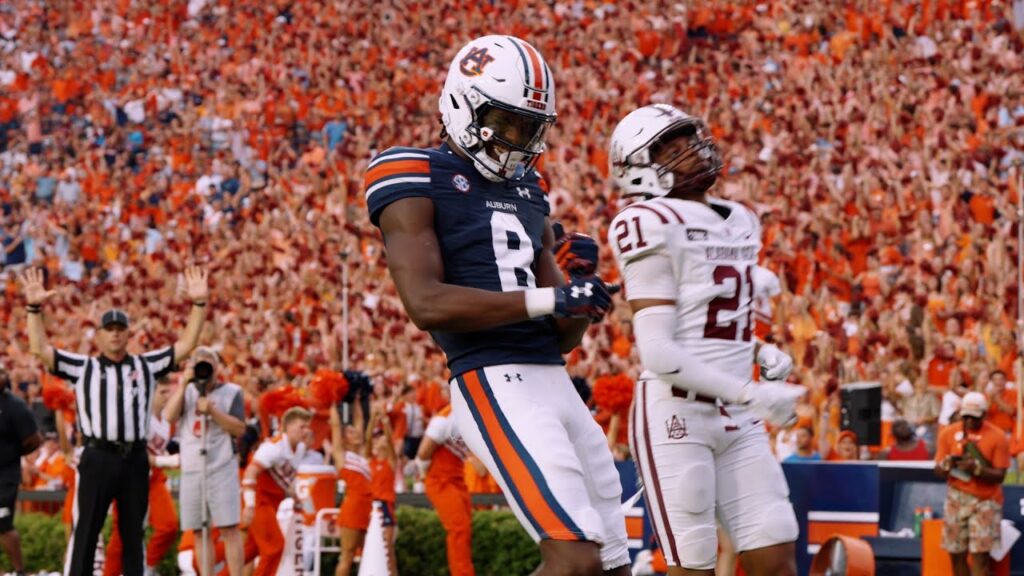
(202, 375)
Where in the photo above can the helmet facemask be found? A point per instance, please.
(685, 157)
(509, 140)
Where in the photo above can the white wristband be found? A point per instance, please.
(249, 498)
(540, 302)
(167, 461)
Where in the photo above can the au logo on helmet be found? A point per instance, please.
(473, 63)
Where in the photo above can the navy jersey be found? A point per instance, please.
(489, 234)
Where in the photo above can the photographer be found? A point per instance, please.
(220, 404)
(973, 456)
(19, 435)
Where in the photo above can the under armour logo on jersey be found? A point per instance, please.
(587, 290)
(676, 427)
(517, 376)
(523, 192)
(473, 63)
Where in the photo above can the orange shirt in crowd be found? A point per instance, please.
(993, 445)
(1004, 420)
(939, 371)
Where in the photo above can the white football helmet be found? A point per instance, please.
(631, 157)
(497, 104)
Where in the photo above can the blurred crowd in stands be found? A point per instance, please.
(881, 143)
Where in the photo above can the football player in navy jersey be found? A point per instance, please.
(469, 245)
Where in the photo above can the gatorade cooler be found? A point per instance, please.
(315, 486)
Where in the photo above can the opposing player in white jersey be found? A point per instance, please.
(696, 428)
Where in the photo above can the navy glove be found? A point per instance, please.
(576, 254)
(583, 297)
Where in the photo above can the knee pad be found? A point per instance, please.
(692, 517)
(779, 520)
(698, 546)
(695, 490)
(777, 524)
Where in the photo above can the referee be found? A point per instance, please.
(114, 392)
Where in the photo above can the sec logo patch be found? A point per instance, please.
(460, 182)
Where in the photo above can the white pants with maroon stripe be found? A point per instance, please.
(700, 460)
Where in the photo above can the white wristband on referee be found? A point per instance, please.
(249, 498)
(540, 302)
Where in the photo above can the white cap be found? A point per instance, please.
(974, 404)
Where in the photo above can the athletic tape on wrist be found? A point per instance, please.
(540, 302)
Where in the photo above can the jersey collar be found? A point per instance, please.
(126, 361)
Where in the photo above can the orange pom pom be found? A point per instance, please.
(277, 401)
(57, 396)
(327, 388)
(613, 393)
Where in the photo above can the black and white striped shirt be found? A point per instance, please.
(113, 398)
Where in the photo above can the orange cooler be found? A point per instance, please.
(315, 487)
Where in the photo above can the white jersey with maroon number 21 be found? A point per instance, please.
(712, 250)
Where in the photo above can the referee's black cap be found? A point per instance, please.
(114, 316)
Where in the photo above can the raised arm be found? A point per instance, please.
(375, 413)
(176, 403)
(338, 447)
(196, 288)
(389, 446)
(414, 260)
(35, 295)
(62, 433)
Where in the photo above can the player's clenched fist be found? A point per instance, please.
(774, 363)
(583, 298)
(576, 254)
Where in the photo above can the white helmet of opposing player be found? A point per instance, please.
(497, 104)
(632, 159)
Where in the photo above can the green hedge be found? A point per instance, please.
(43, 544)
(500, 545)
